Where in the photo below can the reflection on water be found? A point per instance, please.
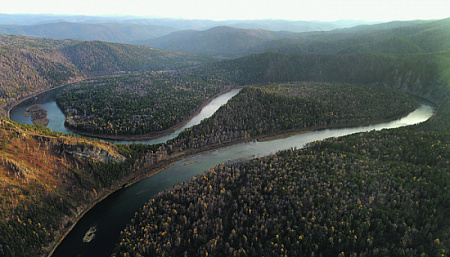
(57, 118)
(112, 215)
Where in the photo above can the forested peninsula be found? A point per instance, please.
(377, 193)
(136, 105)
(33, 65)
(380, 193)
(295, 107)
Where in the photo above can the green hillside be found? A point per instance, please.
(220, 42)
(421, 74)
(404, 37)
(96, 58)
(32, 65)
(381, 193)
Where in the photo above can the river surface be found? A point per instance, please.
(111, 215)
(57, 118)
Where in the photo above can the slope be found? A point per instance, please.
(381, 193)
(46, 181)
(394, 37)
(32, 65)
(221, 42)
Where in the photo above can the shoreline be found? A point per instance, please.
(123, 183)
(9, 107)
(152, 135)
(140, 174)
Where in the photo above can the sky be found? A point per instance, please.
(325, 10)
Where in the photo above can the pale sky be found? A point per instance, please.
(325, 10)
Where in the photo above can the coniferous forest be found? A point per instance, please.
(135, 104)
(361, 195)
(288, 107)
(379, 193)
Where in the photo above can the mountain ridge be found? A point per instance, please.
(31, 65)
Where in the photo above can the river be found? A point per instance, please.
(57, 118)
(111, 215)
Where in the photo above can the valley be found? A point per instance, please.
(366, 193)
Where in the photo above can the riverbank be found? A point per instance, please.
(145, 172)
(8, 107)
(102, 195)
(152, 135)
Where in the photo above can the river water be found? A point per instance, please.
(112, 214)
(57, 118)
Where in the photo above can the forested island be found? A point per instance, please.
(136, 104)
(38, 115)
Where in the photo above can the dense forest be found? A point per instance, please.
(96, 58)
(278, 108)
(382, 193)
(419, 74)
(373, 194)
(48, 179)
(136, 104)
(31, 65)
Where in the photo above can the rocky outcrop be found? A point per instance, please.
(85, 151)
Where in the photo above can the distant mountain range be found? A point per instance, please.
(393, 37)
(110, 32)
(135, 30)
(219, 42)
(180, 24)
(232, 39)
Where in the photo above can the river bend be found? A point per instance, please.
(111, 215)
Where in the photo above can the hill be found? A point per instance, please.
(393, 37)
(96, 58)
(47, 180)
(220, 42)
(32, 65)
(421, 74)
(379, 193)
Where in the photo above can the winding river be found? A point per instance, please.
(111, 215)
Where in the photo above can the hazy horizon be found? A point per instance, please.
(291, 10)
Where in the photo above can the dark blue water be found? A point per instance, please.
(57, 118)
(112, 214)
